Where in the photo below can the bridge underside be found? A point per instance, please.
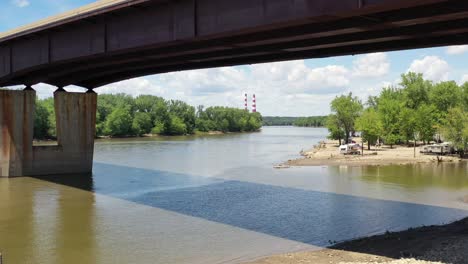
(130, 38)
(150, 37)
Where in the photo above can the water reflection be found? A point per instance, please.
(43, 221)
(16, 222)
(445, 175)
(301, 215)
(196, 200)
(75, 232)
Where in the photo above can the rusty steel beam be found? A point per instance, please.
(129, 38)
(307, 54)
(449, 28)
(311, 35)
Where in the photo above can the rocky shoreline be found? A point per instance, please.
(431, 244)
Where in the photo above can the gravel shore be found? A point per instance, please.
(432, 244)
(400, 261)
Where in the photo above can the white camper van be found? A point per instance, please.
(438, 149)
(350, 149)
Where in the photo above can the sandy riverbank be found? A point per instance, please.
(433, 244)
(326, 153)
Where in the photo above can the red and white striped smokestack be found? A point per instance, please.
(254, 104)
(245, 103)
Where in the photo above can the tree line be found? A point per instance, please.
(123, 115)
(417, 110)
(278, 120)
(311, 121)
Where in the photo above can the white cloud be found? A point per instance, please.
(464, 79)
(206, 81)
(21, 3)
(432, 67)
(282, 88)
(297, 77)
(133, 87)
(371, 65)
(456, 50)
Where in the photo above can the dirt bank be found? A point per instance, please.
(326, 153)
(433, 244)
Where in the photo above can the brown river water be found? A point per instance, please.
(216, 199)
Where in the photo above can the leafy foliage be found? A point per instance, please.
(417, 110)
(389, 106)
(335, 129)
(310, 121)
(346, 108)
(279, 120)
(370, 126)
(123, 115)
(227, 119)
(456, 128)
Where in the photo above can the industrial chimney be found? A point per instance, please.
(254, 104)
(245, 103)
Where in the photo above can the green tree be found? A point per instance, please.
(445, 95)
(184, 112)
(407, 124)
(227, 119)
(464, 88)
(142, 123)
(370, 126)
(44, 119)
(334, 128)
(346, 109)
(311, 121)
(176, 126)
(426, 119)
(254, 122)
(108, 103)
(122, 115)
(158, 128)
(389, 106)
(155, 106)
(41, 121)
(119, 122)
(372, 102)
(415, 89)
(455, 128)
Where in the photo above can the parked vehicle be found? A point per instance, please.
(350, 149)
(438, 149)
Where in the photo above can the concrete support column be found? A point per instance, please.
(76, 127)
(17, 126)
(76, 124)
(75, 115)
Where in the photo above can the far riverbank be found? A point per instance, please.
(196, 134)
(327, 153)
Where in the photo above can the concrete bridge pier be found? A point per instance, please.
(75, 123)
(16, 123)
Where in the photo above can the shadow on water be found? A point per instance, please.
(317, 218)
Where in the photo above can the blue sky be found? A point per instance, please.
(303, 87)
